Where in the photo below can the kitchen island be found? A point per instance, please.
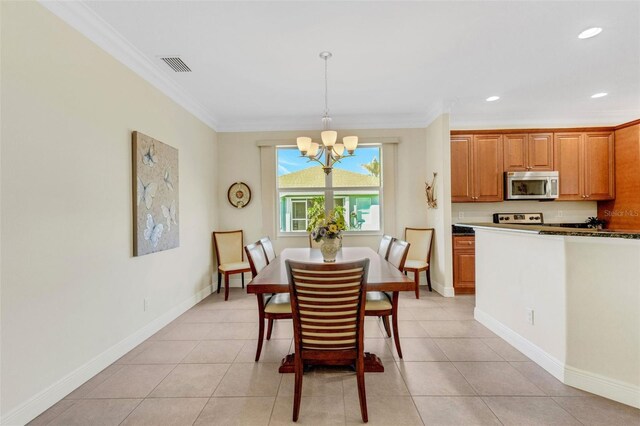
(567, 298)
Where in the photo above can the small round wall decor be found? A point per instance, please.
(239, 195)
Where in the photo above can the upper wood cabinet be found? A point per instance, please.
(585, 162)
(528, 152)
(476, 168)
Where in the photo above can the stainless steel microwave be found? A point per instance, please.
(531, 185)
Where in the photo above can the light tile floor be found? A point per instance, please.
(199, 370)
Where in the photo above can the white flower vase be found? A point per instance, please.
(329, 248)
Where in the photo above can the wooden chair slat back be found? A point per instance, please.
(327, 303)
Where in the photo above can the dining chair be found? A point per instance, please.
(385, 244)
(228, 248)
(270, 307)
(419, 257)
(313, 243)
(327, 303)
(385, 304)
(268, 249)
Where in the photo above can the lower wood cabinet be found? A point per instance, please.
(464, 264)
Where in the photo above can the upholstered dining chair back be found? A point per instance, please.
(398, 252)
(257, 257)
(228, 245)
(385, 244)
(313, 243)
(268, 248)
(420, 240)
(327, 304)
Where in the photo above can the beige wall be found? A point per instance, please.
(240, 161)
(70, 286)
(438, 159)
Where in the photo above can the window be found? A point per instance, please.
(355, 184)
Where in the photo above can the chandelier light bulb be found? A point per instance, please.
(350, 143)
(338, 149)
(303, 144)
(329, 138)
(313, 149)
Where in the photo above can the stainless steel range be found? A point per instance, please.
(531, 219)
(519, 218)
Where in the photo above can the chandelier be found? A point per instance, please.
(330, 152)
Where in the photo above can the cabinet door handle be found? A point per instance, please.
(587, 196)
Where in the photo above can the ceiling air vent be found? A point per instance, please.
(176, 64)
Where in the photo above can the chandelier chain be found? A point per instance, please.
(326, 88)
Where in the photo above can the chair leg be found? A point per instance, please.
(242, 278)
(270, 328)
(219, 282)
(362, 394)
(226, 286)
(394, 321)
(297, 395)
(385, 321)
(429, 278)
(416, 277)
(260, 325)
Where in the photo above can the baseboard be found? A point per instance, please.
(440, 288)
(554, 366)
(603, 386)
(40, 402)
(587, 381)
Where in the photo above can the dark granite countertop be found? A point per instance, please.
(556, 230)
(462, 230)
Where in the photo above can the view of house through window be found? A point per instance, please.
(355, 185)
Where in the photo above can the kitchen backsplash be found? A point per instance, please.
(553, 211)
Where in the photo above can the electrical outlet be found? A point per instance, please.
(530, 316)
(560, 213)
(460, 215)
(146, 304)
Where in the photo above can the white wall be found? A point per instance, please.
(438, 159)
(553, 211)
(70, 286)
(584, 292)
(240, 161)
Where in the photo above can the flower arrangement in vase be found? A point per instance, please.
(328, 229)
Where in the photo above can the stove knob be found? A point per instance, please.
(531, 217)
(506, 218)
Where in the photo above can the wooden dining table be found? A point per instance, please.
(382, 276)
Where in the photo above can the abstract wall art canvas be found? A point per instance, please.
(155, 195)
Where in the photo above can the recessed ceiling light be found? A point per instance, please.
(493, 98)
(590, 32)
(599, 95)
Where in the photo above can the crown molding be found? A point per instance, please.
(410, 121)
(83, 19)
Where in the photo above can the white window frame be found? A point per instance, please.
(329, 192)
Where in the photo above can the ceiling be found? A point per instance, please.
(395, 64)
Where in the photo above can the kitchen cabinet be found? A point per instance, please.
(464, 264)
(585, 161)
(476, 168)
(528, 152)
